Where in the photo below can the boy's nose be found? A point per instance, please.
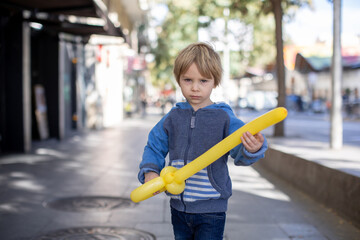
(195, 87)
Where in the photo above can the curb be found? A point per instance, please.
(334, 188)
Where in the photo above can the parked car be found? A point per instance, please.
(259, 100)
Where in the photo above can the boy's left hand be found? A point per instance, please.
(252, 143)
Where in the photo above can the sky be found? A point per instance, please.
(310, 25)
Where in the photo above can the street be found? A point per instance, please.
(311, 126)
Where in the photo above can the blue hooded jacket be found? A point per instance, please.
(185, 134)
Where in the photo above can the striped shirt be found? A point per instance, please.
(197, 187)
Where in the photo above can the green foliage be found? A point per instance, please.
(178, 30)
(264, 50)
(181, 25)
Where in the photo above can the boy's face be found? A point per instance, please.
(196, 88)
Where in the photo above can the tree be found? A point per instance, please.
(181, 27)
(280, 67)
(277, 8)
(178, 30)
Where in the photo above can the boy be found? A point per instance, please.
(189, 130)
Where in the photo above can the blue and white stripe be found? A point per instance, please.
(197, 187)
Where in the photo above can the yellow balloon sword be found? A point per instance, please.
(172, 179)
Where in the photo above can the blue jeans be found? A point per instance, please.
(198, 226)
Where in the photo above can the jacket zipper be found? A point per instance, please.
(192, 126)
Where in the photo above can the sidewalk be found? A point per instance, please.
(79, 189)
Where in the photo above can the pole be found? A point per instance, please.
(336, 129)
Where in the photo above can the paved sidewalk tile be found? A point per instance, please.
(79, 188)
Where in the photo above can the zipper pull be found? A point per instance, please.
(192, 122)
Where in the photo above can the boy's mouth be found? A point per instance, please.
(195, 97)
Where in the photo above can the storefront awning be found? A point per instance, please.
(58, 11)
(321, 64)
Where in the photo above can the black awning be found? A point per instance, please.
(85, 8)
(71, 28)
(55, 8)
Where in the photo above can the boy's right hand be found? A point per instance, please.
(149, 176)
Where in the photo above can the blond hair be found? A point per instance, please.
(204, 56)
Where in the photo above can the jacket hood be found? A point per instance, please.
(186, 105)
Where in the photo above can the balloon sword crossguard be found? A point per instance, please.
(172, 179)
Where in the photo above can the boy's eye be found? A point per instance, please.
(187, 80)
(204, 81)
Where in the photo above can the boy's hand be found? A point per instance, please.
(252, 143)
(149, 176)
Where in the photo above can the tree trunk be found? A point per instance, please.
(336, 129)
(280, 67)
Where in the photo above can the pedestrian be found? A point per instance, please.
(143, 101)
(189, 130)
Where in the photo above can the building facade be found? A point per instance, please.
(45, 74)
